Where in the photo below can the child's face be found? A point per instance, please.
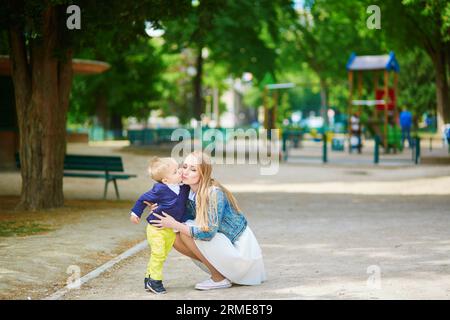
(173, 175)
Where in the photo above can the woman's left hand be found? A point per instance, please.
(166, 221)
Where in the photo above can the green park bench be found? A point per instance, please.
(97, 167)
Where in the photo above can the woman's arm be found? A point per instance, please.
(195, 232)
(167, 221)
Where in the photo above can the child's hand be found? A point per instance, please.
(151, 206)
(134, 219)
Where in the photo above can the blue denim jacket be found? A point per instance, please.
(230, 222)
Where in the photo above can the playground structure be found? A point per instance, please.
(381, 117)
(384, 102)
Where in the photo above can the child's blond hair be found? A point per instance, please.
(158, 167)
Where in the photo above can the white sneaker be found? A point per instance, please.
(211, 285)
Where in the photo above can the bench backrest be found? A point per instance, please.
(93, 163)
(89, 163)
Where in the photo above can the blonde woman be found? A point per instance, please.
(217, 235)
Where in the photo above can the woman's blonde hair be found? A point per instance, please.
(206, 199)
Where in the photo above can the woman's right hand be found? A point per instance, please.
(151, 206)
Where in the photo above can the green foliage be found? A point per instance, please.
(241, 35)
(284, 110)
(416, 23)
(417, 89)
(253, 97)
(131, 86)
(122, 20)
(307, 47)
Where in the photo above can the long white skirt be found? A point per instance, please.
(241, 262)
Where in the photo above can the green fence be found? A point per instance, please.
(163, 135)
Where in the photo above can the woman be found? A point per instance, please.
(219, 237)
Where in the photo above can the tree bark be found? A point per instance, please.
(198, 100)
(323, 100)
(42, 85)
(440, 62)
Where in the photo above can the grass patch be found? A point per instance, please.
(22, 228)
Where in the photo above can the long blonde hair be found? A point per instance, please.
(206, 199)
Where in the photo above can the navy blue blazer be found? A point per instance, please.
(167, 200)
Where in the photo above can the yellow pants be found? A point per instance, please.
(161, 241)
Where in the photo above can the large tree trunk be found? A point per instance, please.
(442, 87)
(198, 101)
(323, 100)
(42, 85)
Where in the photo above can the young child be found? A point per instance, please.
(171, 198)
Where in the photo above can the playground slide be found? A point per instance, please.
(393, 136)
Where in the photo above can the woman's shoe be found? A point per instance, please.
(210, 284)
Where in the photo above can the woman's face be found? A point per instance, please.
(190, 174)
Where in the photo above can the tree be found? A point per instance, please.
(424, 24)
(416, 83)
(128, 88)
(324, 34)
(237, 34)
(41, 49)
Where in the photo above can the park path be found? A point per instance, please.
(321, 211)
(318, 247)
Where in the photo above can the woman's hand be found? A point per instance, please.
(151, 206)
(166, 221)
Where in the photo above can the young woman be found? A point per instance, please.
(217, 235)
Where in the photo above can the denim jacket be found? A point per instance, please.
(230, 222)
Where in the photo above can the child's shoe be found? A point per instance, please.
(155, 286)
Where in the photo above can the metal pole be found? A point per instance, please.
(285, 155)
(376, 153)
(386, 104)
(417, 150)
(324, 149)
(349, 112)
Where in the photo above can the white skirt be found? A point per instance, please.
(241, 262)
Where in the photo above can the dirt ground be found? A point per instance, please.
(327, 232)
(84, 234)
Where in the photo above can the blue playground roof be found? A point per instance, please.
(383, 62)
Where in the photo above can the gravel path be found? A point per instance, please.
(318, 247)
